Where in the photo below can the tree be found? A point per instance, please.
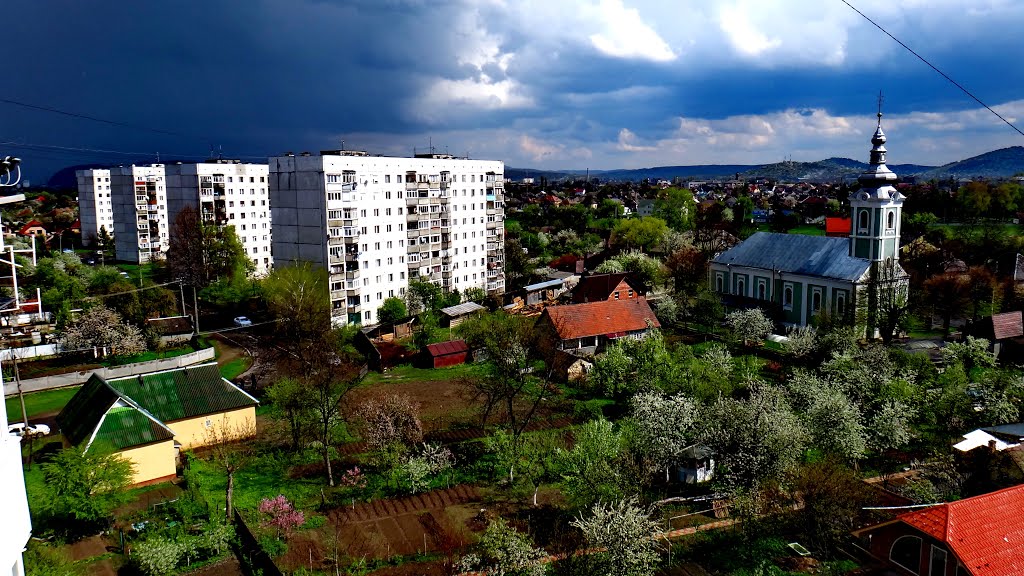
(474, 294)
(280, 515)
(949, 293)
(630, 365)
(517, 261)
(802, 341)
(756, 440)
(676, 207)
(589, 472)
(502, 550)
(751, 325)
(100, 328)
(648, 271)
(389, 419)
(105, 244)
(425, 296)
(290, 400)
(639, 233)
(662, 427)
(688, 267)
(200, 254)
(625, 534)
(84, 486)
(329, 379)
(832, 497)
(298, 297)
(835, 423)
(392, 310)
(229, 448)
(887, 303)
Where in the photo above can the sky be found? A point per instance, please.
(548, 84)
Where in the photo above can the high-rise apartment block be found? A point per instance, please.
(376, 222)
(226, 193)
(95, 206)
(141, 228)
(147, 199)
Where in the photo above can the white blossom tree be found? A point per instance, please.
(503, 551)
(626, 534)
(663, 427)
(101, 328)
(751, 325)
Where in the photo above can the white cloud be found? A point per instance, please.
(629, 142)
(624, 34)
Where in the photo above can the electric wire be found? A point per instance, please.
(933, 67)
(93, 118)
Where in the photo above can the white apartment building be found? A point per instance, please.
(226, 193)
(141, 227)
(95, 207)
(16, 528)
(375, 222)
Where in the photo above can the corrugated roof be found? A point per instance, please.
(1007, 325)
(172, 325)
(543, 285)
(797, 254)
(986, 533)
(460, 309)
(98, 413)
(600, 318)
(183, 393)
(449, 347)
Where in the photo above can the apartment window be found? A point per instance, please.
(398, 178)
(333, 178)
(387, 211)
(376, 212)
(376, 245)
(362, 213)
(376, 229)
(263, 178)
(387, 178)
(388, 229)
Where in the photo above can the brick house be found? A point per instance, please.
(596, 287)
(979, 536)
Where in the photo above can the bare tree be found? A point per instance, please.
(883, 302)
(228, 446)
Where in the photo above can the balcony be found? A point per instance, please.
(352, 274)
(351, 256)
(336, 223)
(335, 240)
(335, 262)
(337, 294)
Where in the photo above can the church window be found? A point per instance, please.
(841, 303)
(787, 297)
(816, 300)
(891, 221)
(862, 224)
(741, 287)
(761, 290)
(719, 281)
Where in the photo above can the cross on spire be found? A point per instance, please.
(880, 99)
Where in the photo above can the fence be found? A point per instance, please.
(251, 556)
(76, 378)
(27, 352)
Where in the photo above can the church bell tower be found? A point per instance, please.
(876, 209)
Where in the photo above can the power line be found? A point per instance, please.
(933, 67)
(100, 151)
(93, 118)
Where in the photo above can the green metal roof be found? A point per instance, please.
(134, 410)
(183, 393)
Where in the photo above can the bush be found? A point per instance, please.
(273, 546)
(586, 410)
(157, 555)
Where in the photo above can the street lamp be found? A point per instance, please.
(10, 166)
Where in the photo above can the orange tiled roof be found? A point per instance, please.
(985, 532)
(601, 318)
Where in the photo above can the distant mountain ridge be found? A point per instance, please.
(1001, 163)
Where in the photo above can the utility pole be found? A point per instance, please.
(195, 309)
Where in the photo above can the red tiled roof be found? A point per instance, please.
(32, 224)
(837, 225)
(601, 318)
(1007, 325)
(449, 347)
(985, 532)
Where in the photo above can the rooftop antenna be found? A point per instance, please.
(342, 144)
(220, 152)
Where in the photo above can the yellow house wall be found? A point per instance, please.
(193, 432)
(151, 461)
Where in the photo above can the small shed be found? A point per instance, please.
(696, 465)
(540, 292)
(450, 353)
(452, 316)
(173, 330)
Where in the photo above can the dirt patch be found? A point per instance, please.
(157, 496)
(443, 403)
(423, 523)
(90, 547)
(227, 567)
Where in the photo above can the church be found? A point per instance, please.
(795, 278)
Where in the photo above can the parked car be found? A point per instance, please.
(243, 321)
(19, 429)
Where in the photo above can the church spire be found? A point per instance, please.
(877, 177)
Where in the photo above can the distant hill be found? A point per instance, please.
(637, 174)
(824, 170)
(1001, 163)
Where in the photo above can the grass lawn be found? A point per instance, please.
(805, 229)
(148, 271)
(37, 403)
(236, 367)
(409, 373)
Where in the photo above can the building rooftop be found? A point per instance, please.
(461, 309)
(449, 347)
(602, 318)
(985, 532)
(797, 254)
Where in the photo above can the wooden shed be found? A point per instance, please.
(452, 316)
(450, 353)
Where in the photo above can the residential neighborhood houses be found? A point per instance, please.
(354, 362)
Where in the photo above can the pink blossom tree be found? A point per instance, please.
(279, 514)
